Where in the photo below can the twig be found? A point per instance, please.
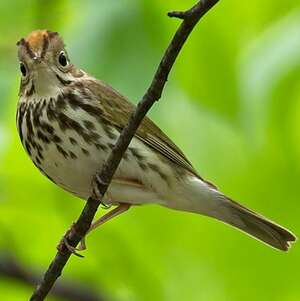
(65, 290)
(153, 93)
(177, 14)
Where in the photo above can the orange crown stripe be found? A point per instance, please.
(36, 39)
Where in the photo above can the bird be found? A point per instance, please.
(68, 123)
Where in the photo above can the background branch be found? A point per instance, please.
(153, 93)
(66, 290)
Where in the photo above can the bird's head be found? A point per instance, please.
(44, 63)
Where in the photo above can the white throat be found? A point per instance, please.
(46, 83)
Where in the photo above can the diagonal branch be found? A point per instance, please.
(190, 19)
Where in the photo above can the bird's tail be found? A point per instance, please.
(257, 226)
(207, 200)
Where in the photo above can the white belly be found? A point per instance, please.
(76, 175)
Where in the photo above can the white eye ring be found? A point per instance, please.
(23, 69)
(62, 59)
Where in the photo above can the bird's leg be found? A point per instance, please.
(103, 219)
(65, 244)
(108, 204)
(96, 194)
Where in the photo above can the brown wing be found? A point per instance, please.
(118, 108)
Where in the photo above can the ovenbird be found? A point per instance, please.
(68, 123)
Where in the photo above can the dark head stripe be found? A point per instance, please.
(52, 34)
(24, 43)
(45, 46)
(48, 35)
(28, 49)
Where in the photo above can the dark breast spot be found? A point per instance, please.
(89, 125)
(85, 151)
(76, 102)
(43, 137)
(65, 122)
(136, 153)
(51, 113)
(72, 155)
(73, 140)
(60, 103)
(38, 161)
(40, 155)
(101, 146)
(28, 122)
(94, 136)
(47, 127)
(36, 113)
(157, 169)
(56, 139)
(108, 129)
(20, 115)
(28, 147)
(39, 147)
(62, 151)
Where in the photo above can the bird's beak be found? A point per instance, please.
(37, 59)
(38, 63)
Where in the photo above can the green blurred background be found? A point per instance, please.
(232, 103)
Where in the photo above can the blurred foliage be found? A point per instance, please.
(232, 104)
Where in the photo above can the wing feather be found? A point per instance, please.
(118, 109)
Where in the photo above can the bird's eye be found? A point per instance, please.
(23, 69)
(62, 59)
